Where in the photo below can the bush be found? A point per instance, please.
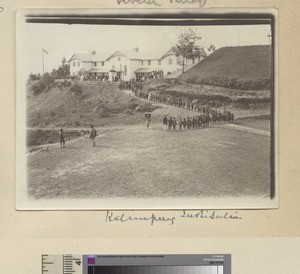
(76, 88)
(223, 81)
(43, 84)
(202, 97)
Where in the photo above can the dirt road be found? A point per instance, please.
(132, 161)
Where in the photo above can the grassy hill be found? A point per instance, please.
(245, 68)
(99, 104)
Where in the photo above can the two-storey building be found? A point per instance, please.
(127, 65)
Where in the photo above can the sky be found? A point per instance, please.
(64, 40)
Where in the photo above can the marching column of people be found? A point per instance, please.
(170, 123)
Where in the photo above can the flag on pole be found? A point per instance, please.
(45, 51)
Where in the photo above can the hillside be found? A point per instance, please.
(247, 67)
(99, 104)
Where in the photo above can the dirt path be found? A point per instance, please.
(244, 129)
(136, 162)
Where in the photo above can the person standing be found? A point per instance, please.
(184, 123)
(62, 138)
(165, 123)
(174, 123)
(147, 120)
(170, 123)
(193, 122)
(180, 123)
(93, 134)
(188, 123)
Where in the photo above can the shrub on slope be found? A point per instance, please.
(93, 105)
(43, 84)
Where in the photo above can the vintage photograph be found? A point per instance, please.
(141, 111)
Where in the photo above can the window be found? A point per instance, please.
(119, 59)
(95, 64)
(125, 70)
(78, 64)
(102, 64)
(142, 62)
(159, 62)
(170, 61)
(74, 64)
(149, 62)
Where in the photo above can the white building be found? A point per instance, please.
(127, 65)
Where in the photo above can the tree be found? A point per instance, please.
(187, 46)
(34, 77)
(54, 73)
(63, 71)
(63, 60)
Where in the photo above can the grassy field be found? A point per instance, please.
(235, 67)
(135, 162)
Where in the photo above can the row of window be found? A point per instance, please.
(95, 64)
(170, 61)
(149, 62)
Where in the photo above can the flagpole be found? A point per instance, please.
(43, 61)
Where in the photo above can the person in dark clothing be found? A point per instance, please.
(165, 123)
(93, 134)
(174, 123)
(170, 123)
(193, 122)
(62, 138)
(188, 123)
(184, 123)
(180, 122)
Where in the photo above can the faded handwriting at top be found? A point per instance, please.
(147, 2)
(201, 3)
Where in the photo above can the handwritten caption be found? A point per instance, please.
(154, 218)
(200, 3)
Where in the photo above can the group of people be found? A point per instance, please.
(170, 123)
(92, 136)
(181, 102)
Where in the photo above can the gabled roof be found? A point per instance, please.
(88, 57)
(118, 53)
(171, 52)
(133, 55)
(168, 53)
